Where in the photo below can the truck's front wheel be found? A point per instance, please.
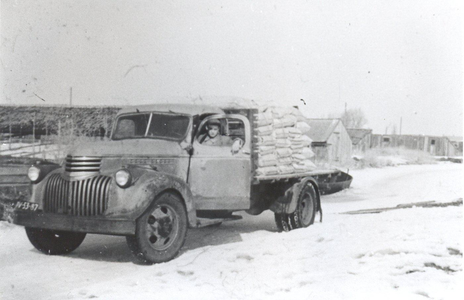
(160, 231)
(54, 242)
(305, 211)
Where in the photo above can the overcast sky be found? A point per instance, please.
(393, 59)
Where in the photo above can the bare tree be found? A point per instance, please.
(354, 118)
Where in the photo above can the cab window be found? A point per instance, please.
(221, 132)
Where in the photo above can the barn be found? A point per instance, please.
(330, 142)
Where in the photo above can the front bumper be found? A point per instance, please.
(40, 219)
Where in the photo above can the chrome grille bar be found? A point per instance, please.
(88, 197)
(82, 164)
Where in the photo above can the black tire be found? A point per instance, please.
(304, 214)
(54, 242)
(282, 222)
(160, 231)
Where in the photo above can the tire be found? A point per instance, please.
(282, 222)
(54, 242)
(160, 231)
(304, 214)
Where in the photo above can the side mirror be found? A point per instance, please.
(190, 150)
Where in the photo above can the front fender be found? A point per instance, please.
(148, 184)
(288, 202)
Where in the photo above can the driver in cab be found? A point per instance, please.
(213, 136)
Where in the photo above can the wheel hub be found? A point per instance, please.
(162, 227)
(306, 208)
(165, 227)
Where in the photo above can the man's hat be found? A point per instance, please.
(214, 122)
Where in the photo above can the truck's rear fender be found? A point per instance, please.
(146, 186)
(287, 203)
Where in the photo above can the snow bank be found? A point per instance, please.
(383, 157)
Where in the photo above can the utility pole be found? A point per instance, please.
(70, 96)
(401, 123)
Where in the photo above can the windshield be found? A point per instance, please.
(157, 126)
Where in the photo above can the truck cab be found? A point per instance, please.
(155, 152)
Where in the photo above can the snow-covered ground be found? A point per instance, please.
(411, 253)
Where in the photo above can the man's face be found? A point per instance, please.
(213, 131)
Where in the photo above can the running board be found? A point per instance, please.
(204, 222)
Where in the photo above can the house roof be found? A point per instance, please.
(321, 129)
(357, 134)
(455, 138)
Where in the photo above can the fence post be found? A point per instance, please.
(33, 135)
(59, 136)
(9, 121)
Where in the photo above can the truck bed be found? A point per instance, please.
(329, 181)
(295, 175)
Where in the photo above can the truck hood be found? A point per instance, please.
(133, 147)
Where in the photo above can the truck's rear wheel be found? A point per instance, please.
(160, 231)
(304, 214)
(54, 242)
(306, 208)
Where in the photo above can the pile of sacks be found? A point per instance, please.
(283, 148)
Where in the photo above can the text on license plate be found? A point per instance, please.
(26, 206)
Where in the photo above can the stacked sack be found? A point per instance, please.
(282, 146)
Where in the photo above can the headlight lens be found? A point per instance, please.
(123, 178)
(33, 173)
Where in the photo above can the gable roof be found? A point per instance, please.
(456, 139)
(321, 129)
(357, 134)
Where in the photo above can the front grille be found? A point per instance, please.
(82, 164)
(88, 197)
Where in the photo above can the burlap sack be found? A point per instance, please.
(283, 152)
(266, 160)
(267, 171)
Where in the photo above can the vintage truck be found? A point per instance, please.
(155, 178)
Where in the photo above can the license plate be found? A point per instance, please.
(26, 206)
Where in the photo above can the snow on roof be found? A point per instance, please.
(321, 129)
(455, 138)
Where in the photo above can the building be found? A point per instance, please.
(330, 142)
(360, 138)
(456, 141)
(435, 145)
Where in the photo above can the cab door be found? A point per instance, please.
(220, 178)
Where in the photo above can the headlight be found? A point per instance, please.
(33, 173)
(123, 178)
